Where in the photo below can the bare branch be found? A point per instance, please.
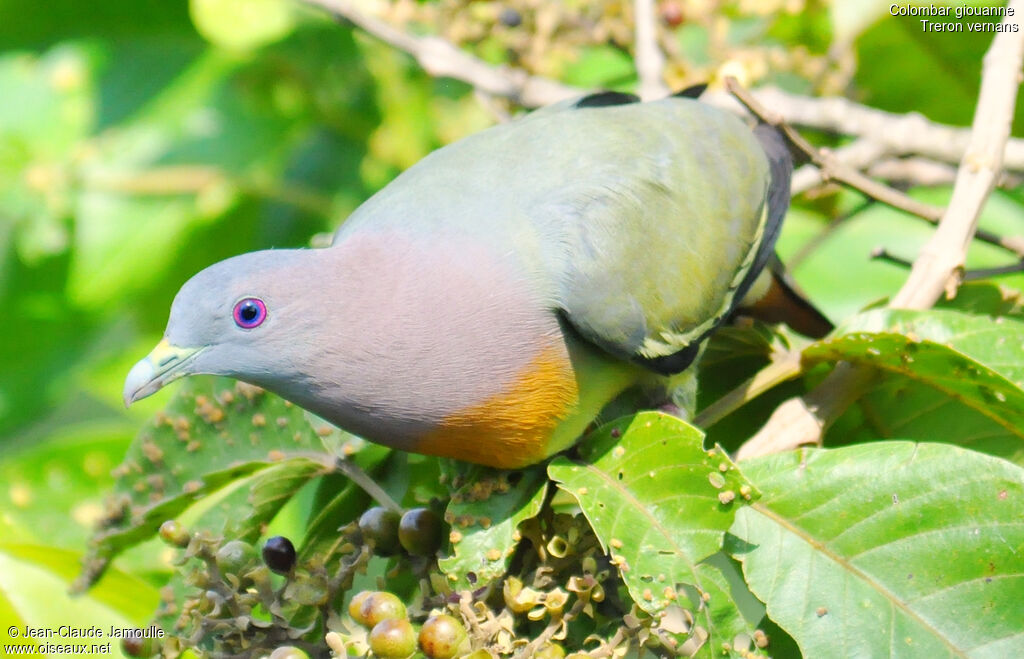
(830, 166)
(899, 134)
(937, 269)
(650, 61)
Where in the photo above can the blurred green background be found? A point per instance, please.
(141, 140)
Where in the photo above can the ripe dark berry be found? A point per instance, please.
(380, 527)
(393, 639)
(420, 531)
(510, 17)
(279, 554)
(441, 636)
(380, 606)
(174, 534)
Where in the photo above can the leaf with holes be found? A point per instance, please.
(901, 408)
(215, 432)
(484, 516)
(976, 360)
(660, 505)
(888, 549)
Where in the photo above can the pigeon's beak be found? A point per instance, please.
(165, 364)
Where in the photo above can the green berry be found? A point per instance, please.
(550, 651)
(236, 557)
(441, 636)
(380, 526)
(380, 606)
(279, 554)
(288, 652)
(420, 532)
(393, 639)
(174, 534)
(355, 607)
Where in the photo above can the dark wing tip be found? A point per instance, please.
(605, 99)
(693, 91)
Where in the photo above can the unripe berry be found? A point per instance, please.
(380, 526)
(174, 534)
(550, 651)
(420, 531)
(380, 606)
(441, 636)
(393, 639)
(236, 557)
(355, 606)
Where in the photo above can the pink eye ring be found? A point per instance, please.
(250, 313)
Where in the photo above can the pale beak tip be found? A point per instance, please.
(141, 375)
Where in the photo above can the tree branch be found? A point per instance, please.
(897, 134)
(650, 61)
(937, 269)
(443, 59)
(830, 166)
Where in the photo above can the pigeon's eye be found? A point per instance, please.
(250, 313)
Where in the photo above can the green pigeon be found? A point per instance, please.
(489, 302)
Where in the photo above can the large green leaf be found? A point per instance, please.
(660, 505)
(888, 549)
(976, 360)
(902, 408)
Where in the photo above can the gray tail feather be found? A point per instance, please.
(780, 167)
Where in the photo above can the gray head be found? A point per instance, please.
(237, 318)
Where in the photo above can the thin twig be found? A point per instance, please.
(832, 168)
(882, 254)
(801, 421)
(363, 480)
(650, 61)
(857, 155)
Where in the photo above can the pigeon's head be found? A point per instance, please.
(235, 318)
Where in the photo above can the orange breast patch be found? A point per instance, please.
(511, 429)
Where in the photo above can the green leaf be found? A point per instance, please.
(888, 549)
(34, 592)
(840, 276)
(484, 523)
(902, 408)
(976, 360)
(215, 432)
(660, 504)
(53, 487)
